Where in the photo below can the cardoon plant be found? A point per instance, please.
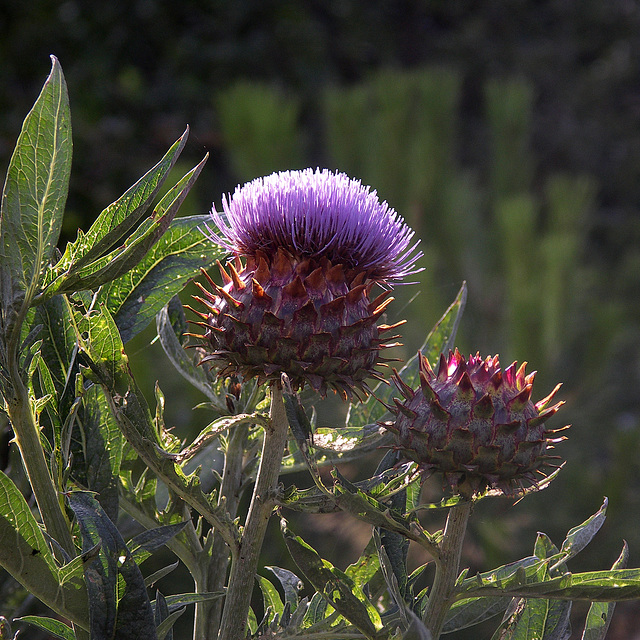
(295, 316)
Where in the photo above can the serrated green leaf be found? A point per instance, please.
(97, 446)
(440, 339)
(344, 596)
(579, 537)
(119, 218)
(600, 613)
(136, 246)
(24, 554)
(365, 507)
(50, 625)
(316, 610)
(504, 574)
(533, 619)
(35, 190)
(606, 586)
(136, 297)
(365, 567)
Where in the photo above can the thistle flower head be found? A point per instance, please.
(318, 214)
(309, 246)
(475, 423)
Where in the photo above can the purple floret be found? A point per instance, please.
(315, 214)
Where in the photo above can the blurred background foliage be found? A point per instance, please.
(507, 133)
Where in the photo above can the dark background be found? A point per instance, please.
(516, 111)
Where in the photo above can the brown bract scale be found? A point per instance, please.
(304, 317)
(476, 424)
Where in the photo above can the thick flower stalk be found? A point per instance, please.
(309, 247)
(476, 424)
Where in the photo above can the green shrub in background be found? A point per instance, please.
(261, 129)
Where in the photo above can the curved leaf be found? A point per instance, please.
(50, 625)
(25, 554)
(136, 297)
(345, 597)
(132, 251)
(120, 217)
(36, 187)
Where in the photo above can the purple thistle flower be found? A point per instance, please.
(318, 214)
(315, 244)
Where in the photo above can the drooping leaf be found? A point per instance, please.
(270, 596)
(291, 585)
(126, 615)
(183, 360)
(467, 613)
(25, 554)
(136, 297)
(345, 597)
(35, 190)
(118, 220)
(145, 543)
(217, 427)
(50, 625)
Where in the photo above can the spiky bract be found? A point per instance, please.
(475, 423)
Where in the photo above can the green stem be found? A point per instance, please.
(229, 495)
(447, 568)
(245, 562)
(27, 437)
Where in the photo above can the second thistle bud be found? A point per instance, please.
(475, 423)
